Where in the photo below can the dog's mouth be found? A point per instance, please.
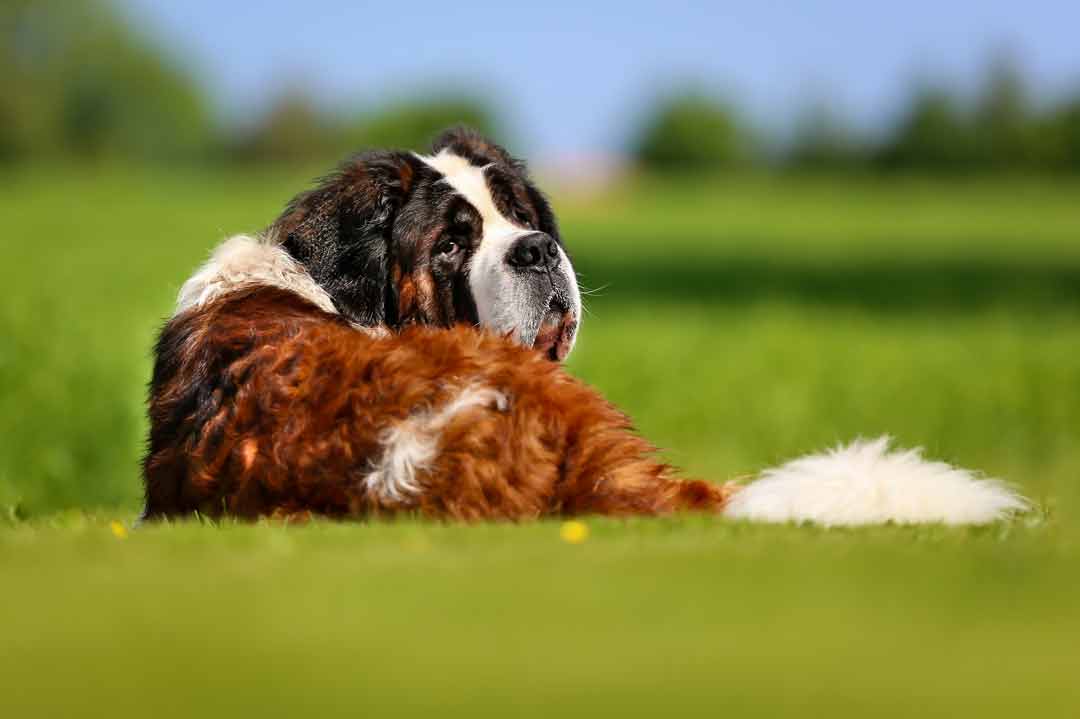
(537, 310)
(555, 337)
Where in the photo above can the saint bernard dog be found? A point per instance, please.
(392, 343)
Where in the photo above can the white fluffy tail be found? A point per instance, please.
(867, 483)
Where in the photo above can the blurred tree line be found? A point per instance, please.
(1002, 129)
(78, 84)
(295, 131)
(75, 83)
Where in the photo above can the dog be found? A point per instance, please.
(392, 344)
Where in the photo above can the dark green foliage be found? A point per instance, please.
(413, 124)
(823, 141)
(937, 131)
(1061, 133)
(1002, 131)
(1004, 124)
(932, 134)
(76, 83)
(691, 132)
(292, 131)
(295, 131)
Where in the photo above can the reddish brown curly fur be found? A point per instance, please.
(263, 405)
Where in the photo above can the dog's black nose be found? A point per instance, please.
(533, 250)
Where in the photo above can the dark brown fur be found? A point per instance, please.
(263, 405)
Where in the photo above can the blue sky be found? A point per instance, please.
(572, 77)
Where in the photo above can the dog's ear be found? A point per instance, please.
(477, 149)
(340, 231)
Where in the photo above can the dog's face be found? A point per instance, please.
(458, 236)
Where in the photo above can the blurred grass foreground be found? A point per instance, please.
(740, 322)
(744, 306)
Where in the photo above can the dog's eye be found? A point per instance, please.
(448, 248)
(522, 218)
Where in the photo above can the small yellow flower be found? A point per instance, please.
(119, 530)
(574, 532)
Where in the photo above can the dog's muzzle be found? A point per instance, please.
(529, 291)
(538, 260)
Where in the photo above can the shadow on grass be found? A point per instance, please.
(891, 286)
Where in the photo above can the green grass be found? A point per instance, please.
(740, 323)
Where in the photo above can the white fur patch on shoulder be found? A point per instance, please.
(409, 447)
(867, 483)
(242, 261)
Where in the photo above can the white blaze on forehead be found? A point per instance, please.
(468, 181)
(494, 291)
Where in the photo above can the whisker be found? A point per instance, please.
(594, 291)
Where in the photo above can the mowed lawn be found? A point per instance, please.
(740, 322)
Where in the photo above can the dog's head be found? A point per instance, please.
(458, 236)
